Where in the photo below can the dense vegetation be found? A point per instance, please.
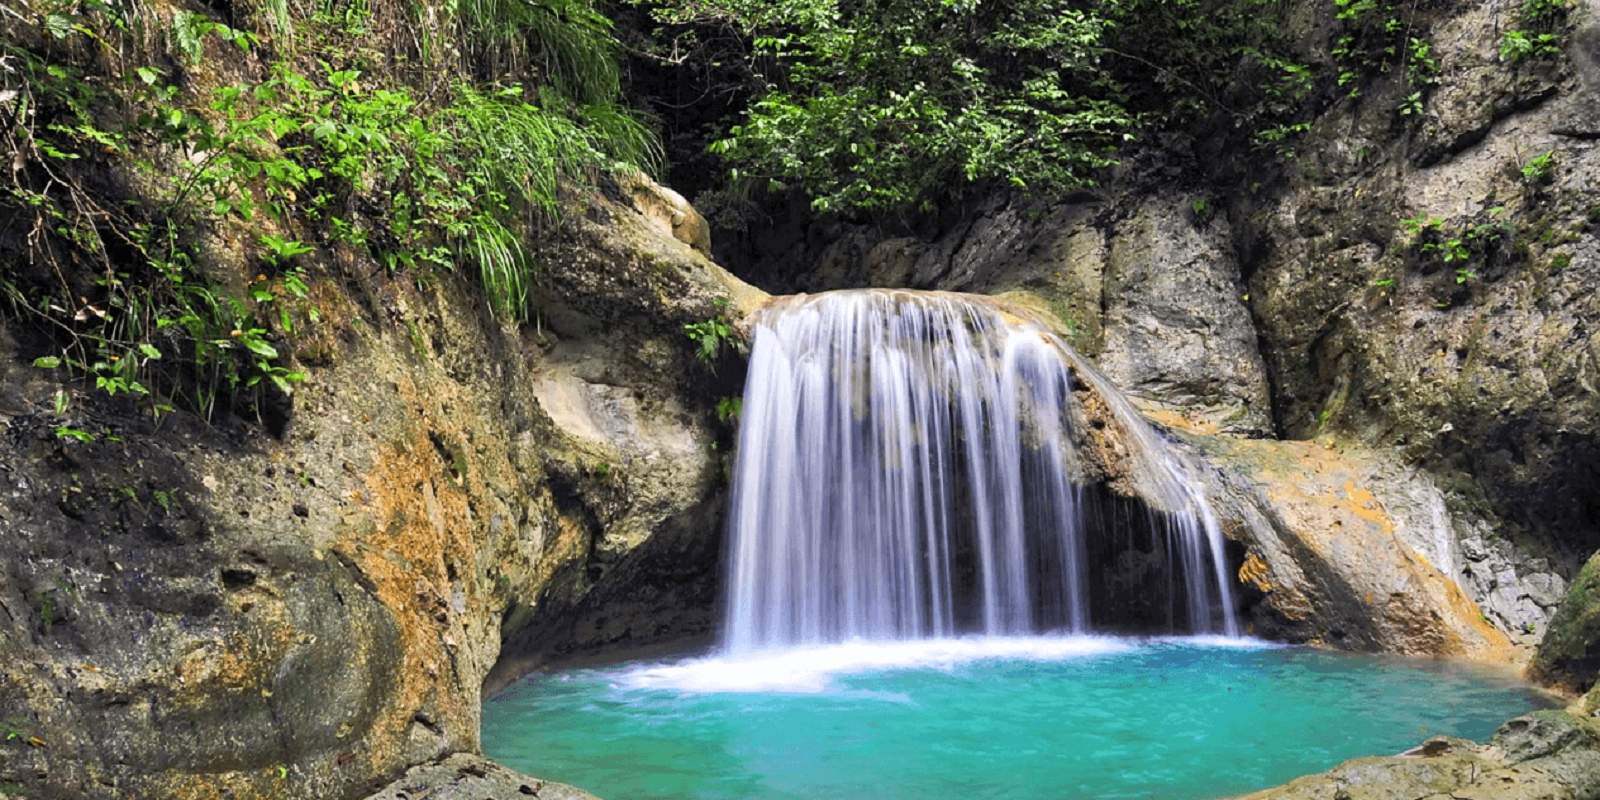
(181, 183)
(891, 104)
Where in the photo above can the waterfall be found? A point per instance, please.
(919, 465)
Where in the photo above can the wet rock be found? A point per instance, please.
(1148, 284)
(1341, 549)
(1542, 734)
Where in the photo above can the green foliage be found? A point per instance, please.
(729, 408)
(879, 104)
(331, 155)
(65, 432)
(1458, 246)
(1539, 168)
(893, 105)
(189, 31)
(566, 44)
(1378, 37)
(1519, 45)
(710, 335)
(1178, 62)
(282, 251)
(513, 156)
(1536, 36)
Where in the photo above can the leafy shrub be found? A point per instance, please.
(888, 105)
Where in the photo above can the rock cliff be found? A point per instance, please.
(206, 611)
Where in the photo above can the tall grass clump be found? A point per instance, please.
(516, 155)
(564, 44)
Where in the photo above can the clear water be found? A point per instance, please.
(983, 719)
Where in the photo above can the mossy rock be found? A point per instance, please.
(1569, 656)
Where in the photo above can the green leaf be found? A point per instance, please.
(47, 362)
(149, 350)
(59, 26)
(260, 347)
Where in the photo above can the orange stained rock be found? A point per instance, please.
(420, 522)
(1254, 572)
(1366, 506)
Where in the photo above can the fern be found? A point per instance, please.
(504, 265)
(187, 30)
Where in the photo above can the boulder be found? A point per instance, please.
(1546, 755)
(468, 777)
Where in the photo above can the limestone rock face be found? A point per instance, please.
(1176, 330)
(667, 209)
(1518, 593)
(1481, 365)
(635, 458)
(1569, 655)
(189, 610)
(1149, 285)
(1342, 549)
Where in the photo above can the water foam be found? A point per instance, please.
(813, 669)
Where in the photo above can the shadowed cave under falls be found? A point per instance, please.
(961, 566)
(916, 465)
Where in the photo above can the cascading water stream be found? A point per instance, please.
(911, 465)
